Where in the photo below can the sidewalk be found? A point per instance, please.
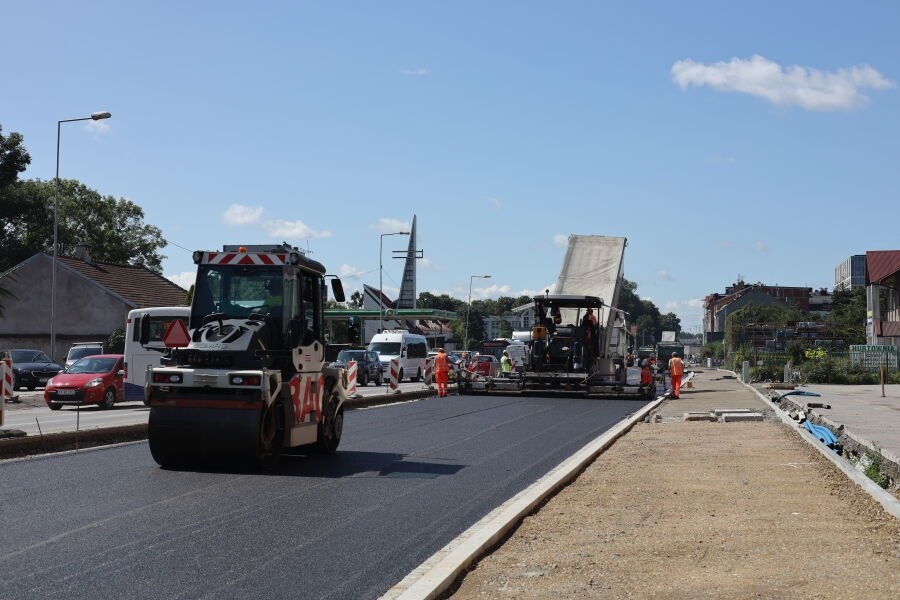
(700, 509)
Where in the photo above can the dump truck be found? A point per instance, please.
(251, 377)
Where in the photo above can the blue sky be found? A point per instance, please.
(757, 140)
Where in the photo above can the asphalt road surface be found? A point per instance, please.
(406, 480)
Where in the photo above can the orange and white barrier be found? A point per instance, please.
(395, 375)
(6, 385)
(429, 371)
(351, 376)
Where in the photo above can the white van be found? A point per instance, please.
(138, 357)
(409, 348)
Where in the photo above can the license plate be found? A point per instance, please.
(42, 380)
(65, 392)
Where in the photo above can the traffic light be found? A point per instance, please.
(353, 330)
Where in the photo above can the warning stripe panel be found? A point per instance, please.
(244, 258)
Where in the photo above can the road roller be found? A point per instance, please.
(246, 377)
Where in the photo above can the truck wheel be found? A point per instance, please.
(400, 375)
(418, 375)
(109, 399)
(378, 380)
(331, 428)
(362, 379)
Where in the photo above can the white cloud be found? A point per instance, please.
(238, 214)
(100, 127)
(350, 272)
(783, 86)
(491, 291)
(561, 239)
(760, 246)
(539, 292)
(664, 275)
(416, 72)
(427, 263)
(292, 230)
(386, 225)
(725, 244)
(185, 279)
(495, 201)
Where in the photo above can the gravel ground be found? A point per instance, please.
(701, 510)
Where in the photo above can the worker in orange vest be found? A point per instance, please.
(441, 371)
(676, 370)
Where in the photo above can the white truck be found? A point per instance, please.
(409, 349)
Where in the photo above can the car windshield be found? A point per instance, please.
(27, 356)
(93, 365)
(82, 351)
(347, 355)
(388, 348)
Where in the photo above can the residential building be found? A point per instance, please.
(92, 300)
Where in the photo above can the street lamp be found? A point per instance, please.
(94, 117)
(471, 277)
(380, 269)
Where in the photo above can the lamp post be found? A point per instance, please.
(97, 116)
(380, 269)
(469, 305)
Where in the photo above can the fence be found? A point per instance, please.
(861, 364)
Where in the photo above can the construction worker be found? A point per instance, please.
(505, 364)
(441, 372)
(676, 370)
(629, 358)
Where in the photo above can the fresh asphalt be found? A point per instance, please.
(407, 479)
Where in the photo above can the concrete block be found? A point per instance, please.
(700, 416)
(737, 417)
(721, 411)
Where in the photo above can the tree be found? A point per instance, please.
(442, 302)
(356, 300)
(14, 159)
(113, 229)
(670, 322)
(848, 315)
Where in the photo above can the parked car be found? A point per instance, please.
(31, 368)
(82, 349)
(485, 364)
(97, 379)
(368, 365)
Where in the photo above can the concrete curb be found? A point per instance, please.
(53, 443)
(434, 576)
(70, 440)
(888, 502)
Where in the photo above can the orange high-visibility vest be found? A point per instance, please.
(676, 367)
(441, 363)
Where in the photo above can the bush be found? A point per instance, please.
(115, 344)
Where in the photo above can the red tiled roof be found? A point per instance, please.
(881, 264)
(138, 285)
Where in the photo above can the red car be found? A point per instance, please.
(485, 364)
(97, 379)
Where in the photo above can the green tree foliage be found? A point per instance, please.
(113, 228)
(848, 315)
(115, 344)
(356, 300)
(14, 159)
(442, 302)
(670, 322)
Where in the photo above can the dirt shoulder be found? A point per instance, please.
(701, 510)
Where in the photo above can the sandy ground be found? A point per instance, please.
(701, 510)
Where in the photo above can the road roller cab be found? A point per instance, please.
(249, 378)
